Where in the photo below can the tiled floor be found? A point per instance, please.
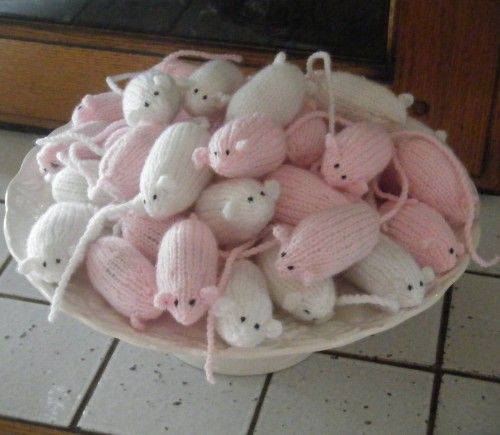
(437, 373)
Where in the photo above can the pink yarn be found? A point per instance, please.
(100, 107)
(302, 194)
(145, 233)
(424, 233)
(251, 146)
(124, 277)
(328, 242)
(186, 271)
(355, 156)
(439, 179)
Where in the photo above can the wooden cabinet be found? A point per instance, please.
(446, 52)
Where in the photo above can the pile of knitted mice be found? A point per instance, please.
(201, 192)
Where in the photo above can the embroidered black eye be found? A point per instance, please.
(44, 264)
(343, 177)
(421, 283)
(290, 267)
(44, 169)
(242, 318)
(144, 201)
(256, 326)
(215, 153)
(227, 152)
(410, 287)
(250, 199)
(176, 302)
(80, 107)
(283, 254)
(307, 312)
(336, 165)
(192, 302)
(146, 104)
(155, 197)
(54, 165)
(195, 90)
(156, 93)
(262, 193)
(452, 251)
(205, 97)
(58, 260)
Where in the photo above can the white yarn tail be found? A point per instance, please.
(361, 299)
(112, 81)
(85, 140)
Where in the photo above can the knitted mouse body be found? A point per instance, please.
(169, 181)
(145, 233)
(100, 107)
(314, 302)
(237, 210)
(250, 146)
(302, 194)
(68, 185)
(277, 91)
(53, 238)
(355, 156)
(244, 313)
(327, 242)
(390, 272)
(211, 86)
(124, 277)
(424, 233)
(186, 271)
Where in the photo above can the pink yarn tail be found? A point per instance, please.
(403, 196)
(202, 55)
(470, 246)
(209, 362)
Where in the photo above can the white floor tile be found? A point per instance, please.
(144, 392)
(45, 368)
(13, 283)
(414, 341)
(4, 252)
(473, 338)
(468, 406)
(323, 395)
(489, 243)
(13, 148)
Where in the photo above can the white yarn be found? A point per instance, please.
(277, 90)
(53, 238)
(237, 210)
(244, 313)
(68, 185)
(391, 273)
(169, 181)
(211, 87)
(314, 302)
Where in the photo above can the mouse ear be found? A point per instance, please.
(163, 300)
(292, 301)
(229, 210)
(406, 99)
(241, 145)
(200, 157)
(441, 135)
(272, 188)
(273, 328)
(428, 274)
(222, 307)
(282, 233)
(209, 294)
(30, 264)
(163, 80)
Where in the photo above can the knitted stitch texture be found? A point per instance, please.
(169, 182)
(124, 277)
(100, 107)
(237, 210)
(355, 156)
(53, 238)
(68, 185)
(424, 233)
(302, 194)
(314, 302)
(186, 271)
(244, 313)
(251, 146)
(328, 242)
(277, 91)
(390, 272)
(145, 233)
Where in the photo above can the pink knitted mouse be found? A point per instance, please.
(424, 233)
(302, 194)
(186, 272)
(124, 277)
(100, 107)
(251, 146)
(327, 242)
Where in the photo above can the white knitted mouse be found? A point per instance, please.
(244, 315)
(390, 272)
(237, 210)
(211, 87)
(314, 302)
(169, 181)
(53, 238)
(277, 90)
(68, 185)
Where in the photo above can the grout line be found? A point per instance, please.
(24, 299)
(258, 407)
(477, 376)
(5, 264)
(436, 387)
(93, 385)
(479, 273)
(33, 425)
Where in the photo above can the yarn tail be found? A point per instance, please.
(112, 81)
(470, 246)
(87, 141)
(384, 303)
(403, 196)
(202, 55)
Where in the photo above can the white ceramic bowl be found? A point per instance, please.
(28, 196)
